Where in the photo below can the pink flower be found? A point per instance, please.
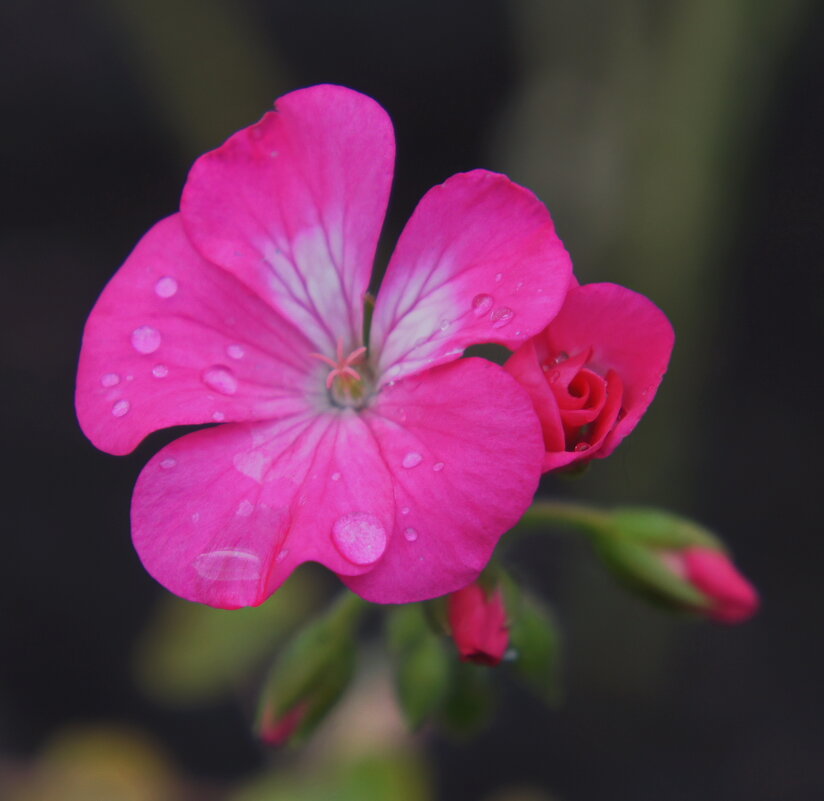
(478, 622)
(594, 370)
(398, 467)
(731, 598)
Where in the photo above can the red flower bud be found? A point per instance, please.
(278, 730)
(732, 598)
(478, 622)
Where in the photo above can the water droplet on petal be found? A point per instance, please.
(229, 564)
(196, 517)
(335, 476)
(498, 277)
(160, 371)
(405, 510)
(166, 287)
(412, 459)
(110, 380)
(218, 417)
(168, 464)
(145, 339)
(235, 351)
(438, 466)
(245, 508)
(581, 446)
(501, 316)
(561, 357)
(444, 325)
(481, 304)
(410, 535)
(282, 555)
(120, 408)
(360, 537)
(518, 286)
(220, 379)
(554, 376)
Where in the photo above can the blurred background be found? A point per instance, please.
(678, 146)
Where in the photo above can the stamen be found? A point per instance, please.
(343, 366)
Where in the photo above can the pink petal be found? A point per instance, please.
(175, 340)
(479, 261)
(293, 206)
(224, 515)
(627, 333)
(463, 448)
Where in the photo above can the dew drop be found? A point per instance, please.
(498, 277)
(405, 510)
(245, 508)
(220, 379)
(335, 476)
(518, 286)
(501, 316)
(410, 535)
(120, 408)
(168, 464)
(110, 380)
(561, 357)
(145, 339)
(412, 459)
(360, 537)
(218, 417)
(196, 517)
(130, 378)
(160, 371)
(438, 466)
(282, 555)
(166, 287)
(444, 325)
(581, 446)
(229, 564)
(481, 304)
(235, 351)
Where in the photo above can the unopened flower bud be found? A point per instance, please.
(478, 621)
(732, 599)
(277, 730)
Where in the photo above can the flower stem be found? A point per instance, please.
(583, 519)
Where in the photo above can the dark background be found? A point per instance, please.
(679, 148)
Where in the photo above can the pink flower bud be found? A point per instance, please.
(478, 622)
(276, 730)
(732, 598)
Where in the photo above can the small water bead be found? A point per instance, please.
(196, 517)
(229, 564)
(335, 476)
(581, 446)
(444, 325)
(360, 537)
(561, 357)
(220, 379)
(438, 466)
(130, 378)
(405, 510)
(501, 316)
(110, 380)
(481, 304)
(218, 417)
(410, 535)
(412, 459)
(282, 555)
(168, 464)
(245, 508)
(160, 371)
(166, 287)
(145, 339)
(235, 351)
(121, 407)
(498, 277)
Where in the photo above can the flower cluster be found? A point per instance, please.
(372, 448)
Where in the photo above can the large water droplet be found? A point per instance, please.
(412, 459)
(229, 564)
(501, 316)
(160, 371)
(410, 535)
(121, 407)
(168, 464)
(166, 287)
(360, 537)
(235, 351)
(220, 379)
(438, 466)
(110, 380)
(145, 339)
(481, 304)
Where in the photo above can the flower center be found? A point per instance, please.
(347, 386)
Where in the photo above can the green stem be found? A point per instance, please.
(583, 519)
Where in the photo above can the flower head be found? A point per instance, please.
(393, 462)
(594, 370)
(478, 621)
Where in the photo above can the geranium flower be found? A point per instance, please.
(394, 463)
(594, 370)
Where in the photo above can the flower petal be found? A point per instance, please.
(628, 333)
(224, 515)
(479, 261)
(293, 206)
(464, 448)
(176, 340)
